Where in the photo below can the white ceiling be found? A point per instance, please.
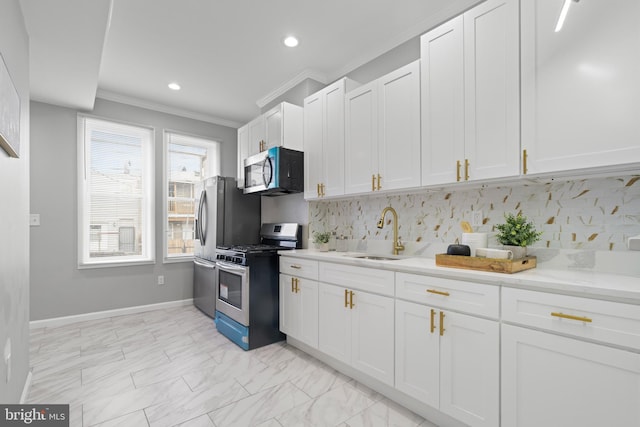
(228, 55)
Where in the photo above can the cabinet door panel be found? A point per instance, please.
(553, 381)
(417, 353)
(308, 301)
(256, 131)
(361, 139)
(334, 323)
(313, 140)
(372, 335)
(492, 101)
(399, 128)
(334, 140)
(580, 87)
(273, 121)
(243, 153)
(289, 307)
(442, 87)
(470, 369)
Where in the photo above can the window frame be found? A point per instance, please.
(148, 206)
(206, 143)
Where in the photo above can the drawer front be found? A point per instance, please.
(605, 321)
(365, 279)
(299, 267)
(467, 297)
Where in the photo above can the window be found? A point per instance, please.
(115, 193)
(188, 160)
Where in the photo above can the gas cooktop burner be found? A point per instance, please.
(256, 248)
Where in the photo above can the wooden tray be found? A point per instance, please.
(486, 264)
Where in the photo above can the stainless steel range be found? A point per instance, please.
(247, 295)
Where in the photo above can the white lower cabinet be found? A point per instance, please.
(299, 309)
(559, 363)
(553, 381)
(356, 327)
(449, 361)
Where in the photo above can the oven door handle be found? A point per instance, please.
(231, 268)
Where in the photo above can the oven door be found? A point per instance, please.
(232, 291)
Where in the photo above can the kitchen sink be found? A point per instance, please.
(376, 257)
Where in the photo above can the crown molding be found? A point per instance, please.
(287, 86)
(432, 21)
(156, 106)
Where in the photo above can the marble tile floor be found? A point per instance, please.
(172, 368)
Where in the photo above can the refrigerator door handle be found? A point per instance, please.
(200, 230)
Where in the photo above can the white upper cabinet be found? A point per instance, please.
(470, 96)
(243, 153)
(256, 136)
(580, 86)
(283, 126)
(382, 133)
(324, 140)
(279, 127)
(442, 98)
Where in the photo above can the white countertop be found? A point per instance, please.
(582, 283)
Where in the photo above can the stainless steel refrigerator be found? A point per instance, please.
(224, 217)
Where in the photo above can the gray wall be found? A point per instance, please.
(58, 288)
(14, 213)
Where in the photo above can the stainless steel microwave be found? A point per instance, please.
(274, 172)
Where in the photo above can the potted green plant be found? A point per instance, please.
(516, 234)
(321, 240)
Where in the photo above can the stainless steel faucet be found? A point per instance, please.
(397, 245)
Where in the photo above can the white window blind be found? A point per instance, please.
(115, 193)
(188, 160)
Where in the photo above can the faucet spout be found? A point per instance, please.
(397, 245)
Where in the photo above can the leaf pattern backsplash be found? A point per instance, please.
(595, 214)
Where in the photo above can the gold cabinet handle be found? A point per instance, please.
(458, 170)
(351, 300)
(373, 183)
(571, 317)
(524, 161)
(346, 298)
(466, 169)
(318, 189)
(292, 281)
(442, 323)
(297, 283)
(379, 182)
(434, 291)
(296, 266)
(322, 190)
(433, 320)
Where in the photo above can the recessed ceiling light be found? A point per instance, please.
(291, 41)
(174, 86)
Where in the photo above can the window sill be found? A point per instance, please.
(107, 264)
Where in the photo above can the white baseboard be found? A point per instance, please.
(66, 320)
(27, 388)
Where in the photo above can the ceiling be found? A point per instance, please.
(228, 56)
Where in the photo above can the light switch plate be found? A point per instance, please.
(634, 243)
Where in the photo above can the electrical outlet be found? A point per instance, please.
(476, 218)
(34, 220)
(160, 280)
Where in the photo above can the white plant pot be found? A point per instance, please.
(519, 252)
(322, 247)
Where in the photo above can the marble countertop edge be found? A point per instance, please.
(583, 283)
